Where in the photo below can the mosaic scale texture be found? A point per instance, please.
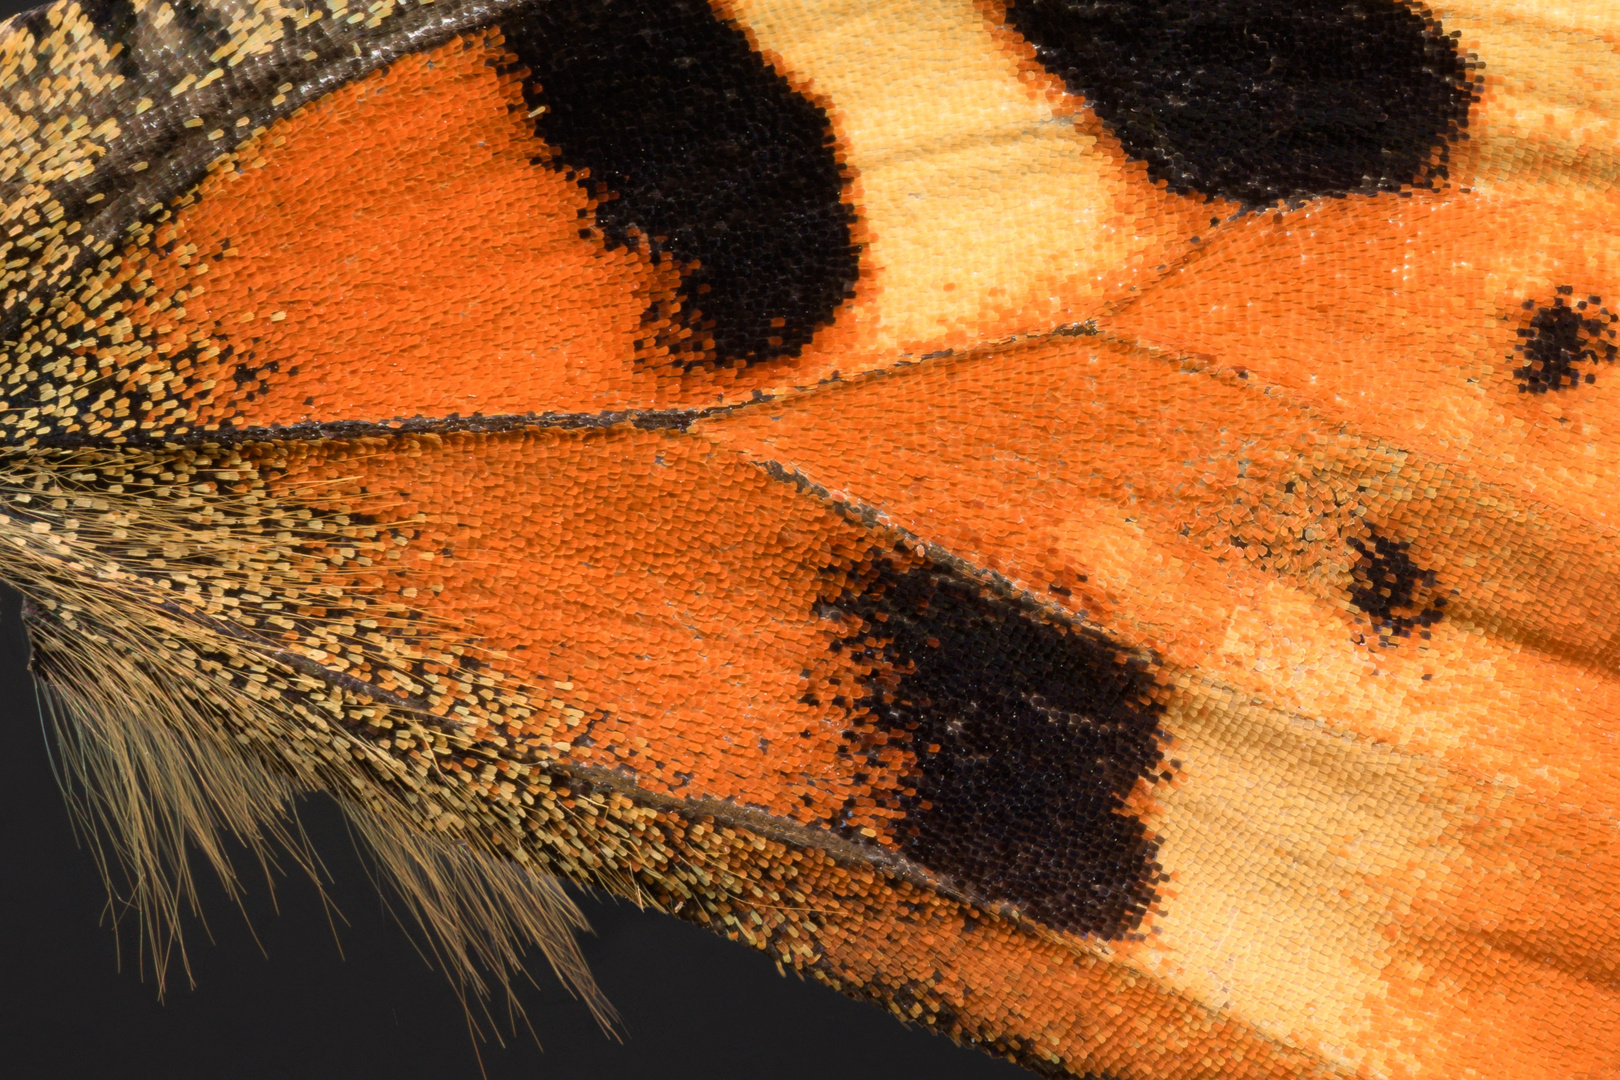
(1082, 522)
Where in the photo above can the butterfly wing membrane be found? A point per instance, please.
(976, 558)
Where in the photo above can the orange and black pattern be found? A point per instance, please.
(1084, 522)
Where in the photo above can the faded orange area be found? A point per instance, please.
(993, 203)
(1509, 964)
(1198, 515)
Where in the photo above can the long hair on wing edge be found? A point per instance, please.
(150, 768)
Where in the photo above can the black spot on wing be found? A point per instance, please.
(1558, 337)
(696, 150)
(1028, 737)
(1262, 100)
(1392, 590)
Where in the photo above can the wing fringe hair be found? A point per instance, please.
(148, 773)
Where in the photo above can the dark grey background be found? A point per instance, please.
(692, 1004)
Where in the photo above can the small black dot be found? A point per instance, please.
(1263, 100)
(1390, 588)
(1558, 337)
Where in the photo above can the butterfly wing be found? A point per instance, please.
(988, 528)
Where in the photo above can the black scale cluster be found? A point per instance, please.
(1028, 737)
(1261, 101)
(696, 150)
(1385, 585)
(1560, 336)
